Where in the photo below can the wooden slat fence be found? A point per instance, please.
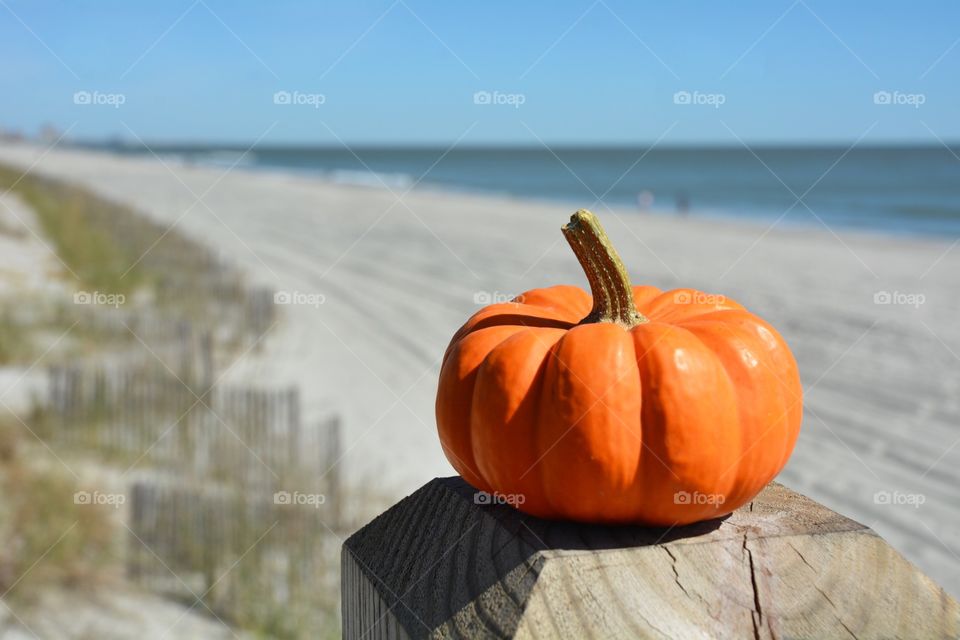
(189, 541)
(241, 435)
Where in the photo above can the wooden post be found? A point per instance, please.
(440, 565)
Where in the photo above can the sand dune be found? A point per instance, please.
(399, 277)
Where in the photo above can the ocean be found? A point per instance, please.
(900, 190)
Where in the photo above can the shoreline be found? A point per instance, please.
(751, 216)
(882, 411)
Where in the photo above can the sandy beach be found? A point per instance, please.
(380, 280)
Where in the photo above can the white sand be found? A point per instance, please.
(399, 277)
(28, 267)
(110, 613)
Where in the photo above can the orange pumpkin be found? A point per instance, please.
(634, 405)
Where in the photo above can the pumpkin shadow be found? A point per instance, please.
(440, 562)
(564, 535)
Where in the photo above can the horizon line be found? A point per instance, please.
(523, 146)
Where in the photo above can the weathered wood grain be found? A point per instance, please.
(439, 565)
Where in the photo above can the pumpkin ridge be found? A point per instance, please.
(484, 319)
(737, 400)
(567, 300)
(636, 496)
(718, 315)
(735, 471)
(532, 396)
(785, 385)
(786, 374)
(452, 426)
(740, 327)
(677, 305)
(539, 467)
(657, 372)
(581, 444)
(520, 320)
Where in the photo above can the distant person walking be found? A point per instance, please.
(644, 200)
(683, 203)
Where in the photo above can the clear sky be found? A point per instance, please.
(407, 71)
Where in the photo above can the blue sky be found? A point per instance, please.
(406, 71)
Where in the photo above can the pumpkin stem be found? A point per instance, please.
(609, 282)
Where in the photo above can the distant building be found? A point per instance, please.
(49, 134)
(11, 135)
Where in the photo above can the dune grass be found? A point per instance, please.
(82, 229)
(113, 249)
(16, 344)
(40, 518)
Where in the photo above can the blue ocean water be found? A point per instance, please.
(902, 190)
